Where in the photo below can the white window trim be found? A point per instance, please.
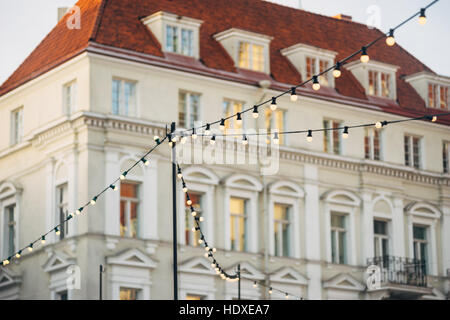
(346, 207)
(448, 157)
(415, 217)
(9, 195)
(439, 87)
(250, 193)
(291, 199)
(370, 133)
(329, 133)
(411, 151)
(122, 80)
(379, 88)
(188, 109)
(198, 281)
(70, 109)
(13, 140)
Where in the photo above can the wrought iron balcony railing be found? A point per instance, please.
(399, 270)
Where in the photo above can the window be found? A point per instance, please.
(381, 238)
(188, 109)
(180, 40)
(379, 84)
(315, 66)
(123, 97)
(129, 205)
(16, 126)
(191, 238)
(332, 138)
(445, 156)
(238, 224)
(282, 230)
(338, 238)
(275, 120)
(61, 208)
(129, 293)
(420, 243)
(69, 97)
(437, 96)
(372, 144)
(412, 151)
(62, 295)
(10, 230)
(251, 56)
(232, 107)
(195, 297)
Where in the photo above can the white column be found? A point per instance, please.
(271, 226)
(445, 232)
(112, 199)
(72, 190)
(148, 223)
(209, 216)
(49, 194)
(296, 229)
(409, 224)
(312, 232)
(226, 208)
(253, 225)
(367, 250)
(398, 229)
(433, 254)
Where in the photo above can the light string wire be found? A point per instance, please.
(112, 186)
(211, 250)
(314, 78)
(271, 288)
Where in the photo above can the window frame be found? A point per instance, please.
(127, 208)
(446, 157)
(250, 54)
(187, 108)
(16, 131)
(369, 134)
(225, 113)
(64, 228)
(70, 106)
(410, 153)
(378, 237)
(335, 232)
(282, 138)
(437, 89)
(329, 136)
(178, 43)
(9, 196)
(121, 98)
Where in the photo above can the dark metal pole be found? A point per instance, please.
(174, 206)
(101, 276)
(239, 281)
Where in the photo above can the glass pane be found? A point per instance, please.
(134, 219)
(258, 58)
(194, 109)
(233, 233)
(333, 246)
(342, 247)
(123, 225)
(171, 39)
(380, 227)
(310, 67)
(385, 84)
(336, 138)
(416, 152)
(130, 98)
(128, 294)
(286, 237)
(385, 246)
(445, 157)
(419, 233)
(376, 246)
(186, 42)
(182, 109)
(326, 136)
(115, 96)
(11, 230)
(128, 190)
(237, 206)
(376, 145)
(279, 120)
(244, 48)
(337, 221)
(431, 98)
(323, 79)
(367, 146)
(277, 238)
(407, 151)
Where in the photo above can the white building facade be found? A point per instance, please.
(334, 206)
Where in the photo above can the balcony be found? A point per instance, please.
(400, 278)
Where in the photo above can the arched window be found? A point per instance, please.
(9, 222)
(284, 219)
(241, 212)
(340, 209)
(201, 183)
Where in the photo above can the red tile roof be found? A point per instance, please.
(116, 24)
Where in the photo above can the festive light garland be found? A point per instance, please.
(92, 202)
(336, 68)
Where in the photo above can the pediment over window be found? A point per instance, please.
(289, 275)
(423, 209)
(379, 79)
(176, 34)
(310, 61)
(57, 261)
(133, 258)
(241, 181)
(436, 295)
(10, 283)
(286, 188)
(247, 271)
(249, 50)
(8, 189)
(432, 88)
(197, 265)
(344, 281)
(342, 197)
(200, 174)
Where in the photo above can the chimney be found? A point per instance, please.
(61, 12)
(341, 16)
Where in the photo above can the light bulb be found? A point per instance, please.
(364, 56)
(30, 247)
(336, 73)
(78, 211)
(93, 201)
(309, 137)
(287, 296)
(273, 105)
(113, 187)
(239, 119)
(214, 250)
(422, 17)
(316, 84)
(146, 162)
(390, 40)
(202, 219)
(276, 140)
(185, 189)
(189, 202)
(244, 140)
(194, 135)
(255, 284)
(208, 129)
(345, 133)
(18, 254)
(175, 138)
(200, 241)
(183, 139)
(123, 175)
(434, 119)
(57, 232)
(194, 213)
(378, 125)
(294, 96)
(270, 290)
(255, 113)
(222, 124)
(43, 240)
(155, 138)
(5, 262)
(213, 140)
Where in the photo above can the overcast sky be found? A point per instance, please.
(24, 23)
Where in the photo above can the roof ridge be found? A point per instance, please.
(98, 20)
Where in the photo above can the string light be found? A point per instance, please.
(194, 134)
(422, 17)
(316, 84)
(18, 254)
(287, 295)
(255, 284)
(337, 70)
(6, 262)
(113, 187)
(270, 290)
(276, 140)
(222, 124)
(57, 232)
(208, 129)
(94, 201)
(255, 113)
(179, 174)
(146, 162)
(30, 247)
(79, 210)
(434, 119)
(244, 140)
(364, 56)
(390, 40)
(185, 189)
(183, 139)
(43, 240)
(294, 96)
(345, 133)
(309, 137)
(213, 140)
(273, 105)
(123, 175)
(378, 125)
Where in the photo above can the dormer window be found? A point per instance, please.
(251, 56)
(377, 78)
(437, 96)
(176, 34)
(432, 88)
(249, 50)
(311, 61)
